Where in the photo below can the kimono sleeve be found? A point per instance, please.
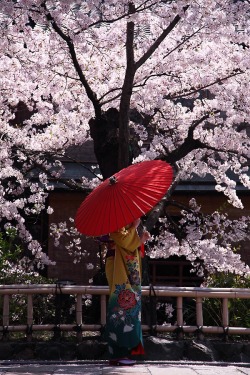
(127, 238)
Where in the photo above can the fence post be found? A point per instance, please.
(179, 307)
(225, 317)
(79, 316)
(29, 316)
(199, 318)
(103, 309)
(6, 316)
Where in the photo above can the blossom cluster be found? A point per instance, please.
(208, 241)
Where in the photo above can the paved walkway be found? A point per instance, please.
(102, 368)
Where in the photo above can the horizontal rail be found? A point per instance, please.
(160, 291)
(145, 328)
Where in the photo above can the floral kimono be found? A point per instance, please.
(123, 270)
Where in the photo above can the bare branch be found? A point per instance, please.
(195, 90)
(81, 164)
(102, 20)
(183, 42)
(147, 78)
(159, 40)
(189, 144)
(90, 93)
(110, 92)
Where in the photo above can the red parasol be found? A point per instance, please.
(124, 197)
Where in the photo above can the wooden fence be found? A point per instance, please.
(79, 326)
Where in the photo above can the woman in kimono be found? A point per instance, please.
(123, 271)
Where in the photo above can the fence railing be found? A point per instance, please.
(79, 291)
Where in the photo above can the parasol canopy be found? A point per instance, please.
(124, 197)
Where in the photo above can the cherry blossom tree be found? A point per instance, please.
(143, 79)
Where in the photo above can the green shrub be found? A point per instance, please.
(13, 271)
(238, 308)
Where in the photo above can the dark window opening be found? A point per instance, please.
(174, 271)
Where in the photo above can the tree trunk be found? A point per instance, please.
(104, 132)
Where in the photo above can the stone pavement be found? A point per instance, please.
(102, 368)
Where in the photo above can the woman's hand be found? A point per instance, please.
(145, 236)
(136, 223)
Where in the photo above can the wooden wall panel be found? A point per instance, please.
(65, 205)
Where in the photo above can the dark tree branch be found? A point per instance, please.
(113, 98)
(183, 42)
(189, 144)
(147, 78)
(139, 9)
(123, 159)
(81, 164)
(195, 90)
(90, 93)
(158, 41)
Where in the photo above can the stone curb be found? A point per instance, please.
(157, 349)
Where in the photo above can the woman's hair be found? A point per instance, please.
(104, 239)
